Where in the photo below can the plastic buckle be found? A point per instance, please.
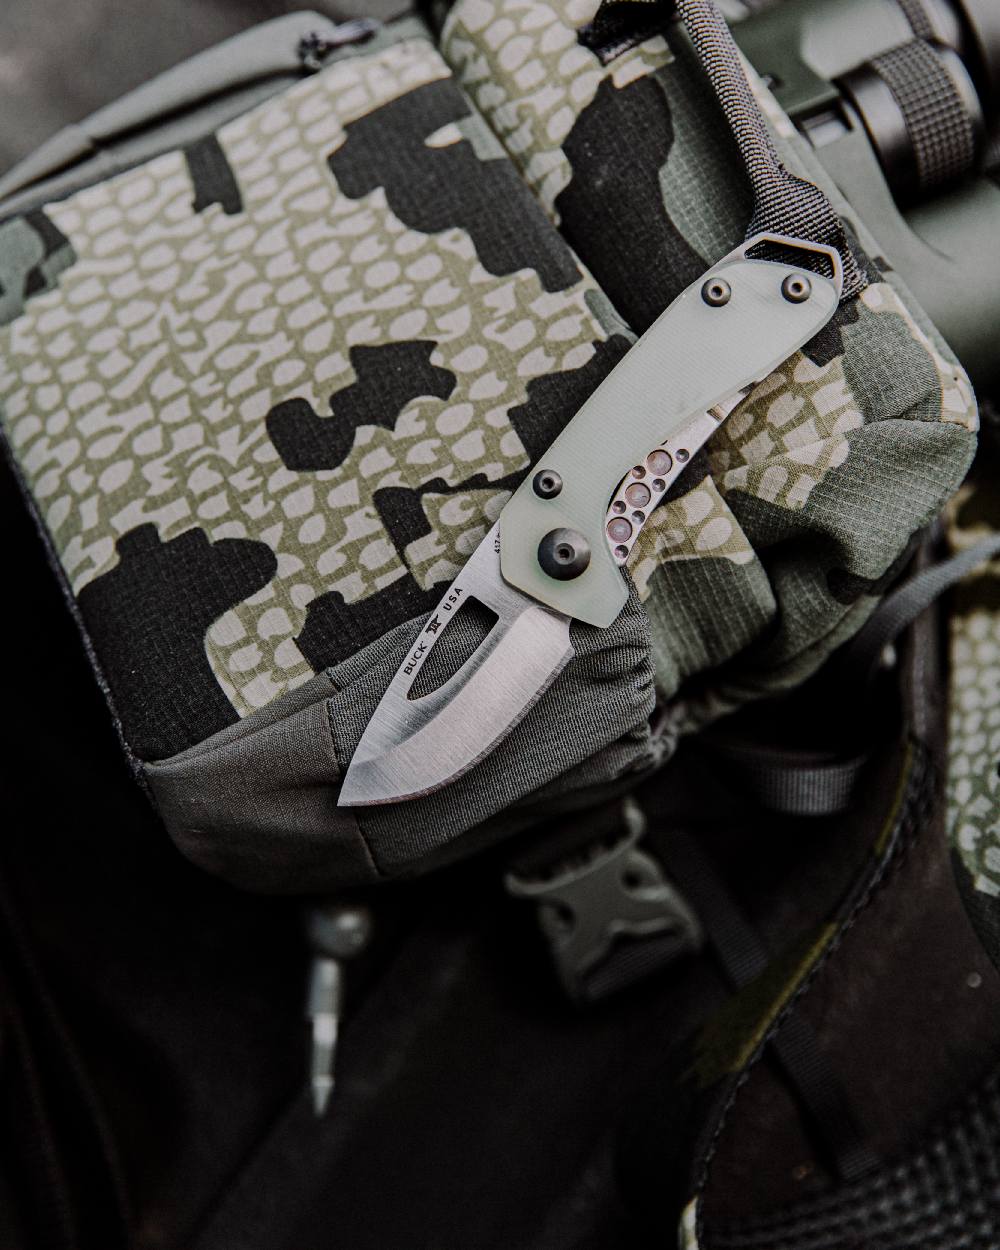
(609, 914)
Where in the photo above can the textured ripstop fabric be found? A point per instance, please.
(796, 783)
(257, 803)
(267, 392)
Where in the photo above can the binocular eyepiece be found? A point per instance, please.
(929, 104)
(900, 100)
(922, 75)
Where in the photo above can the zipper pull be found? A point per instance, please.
(314, 48)
(337, 933)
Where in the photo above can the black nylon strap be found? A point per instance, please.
(860, 659)
(783, 203)
(744, 957)
(628, 964)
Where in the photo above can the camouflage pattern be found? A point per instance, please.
(268, 391)
(526, 72)
(974, 706)
(606, 146)
(34, 254)
(141, 391)
(685, 528)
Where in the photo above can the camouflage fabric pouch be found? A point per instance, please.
(268, 373)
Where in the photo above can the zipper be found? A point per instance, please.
(314, 48)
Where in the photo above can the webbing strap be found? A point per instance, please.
(744, 957)
(804, 783)
(794, 783)
(859, 661)
(783, 203)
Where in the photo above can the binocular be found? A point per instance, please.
(900, 99)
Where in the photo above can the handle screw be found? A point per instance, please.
(564, 554)
(796, 288)
(546, 483)
(716, 292)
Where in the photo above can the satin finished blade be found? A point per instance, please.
(413, 746)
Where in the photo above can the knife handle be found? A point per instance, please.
(726, 331)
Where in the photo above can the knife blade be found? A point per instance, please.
(414, 745)
(557, 550)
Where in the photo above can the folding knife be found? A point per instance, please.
(557, 549)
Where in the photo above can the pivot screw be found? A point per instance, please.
(547, 483)
(564, 554)
(716, 292)
(796, 288)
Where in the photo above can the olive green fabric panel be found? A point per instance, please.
(256, 804)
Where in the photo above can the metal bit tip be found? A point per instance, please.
(322, 1092)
